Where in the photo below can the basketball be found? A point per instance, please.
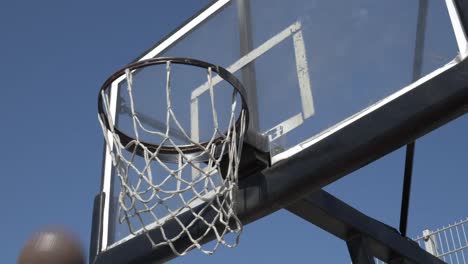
(52, 246)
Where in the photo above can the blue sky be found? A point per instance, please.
(54, 57)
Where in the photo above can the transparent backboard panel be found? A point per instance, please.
(307, 65)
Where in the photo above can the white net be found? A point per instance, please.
(191, 198)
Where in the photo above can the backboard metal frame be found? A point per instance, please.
(381, 130)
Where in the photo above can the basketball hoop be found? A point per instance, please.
(142, 192)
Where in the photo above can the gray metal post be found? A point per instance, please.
(359, 250)
(429, 242)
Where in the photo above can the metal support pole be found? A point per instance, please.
(365, 236)
(417, 69)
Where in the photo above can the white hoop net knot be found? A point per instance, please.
(187, 197)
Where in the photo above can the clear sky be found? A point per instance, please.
(54, 57)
